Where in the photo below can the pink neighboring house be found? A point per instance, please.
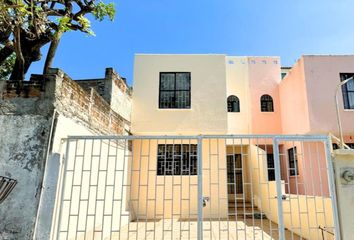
(307, 107)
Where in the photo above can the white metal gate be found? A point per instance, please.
(197, 187)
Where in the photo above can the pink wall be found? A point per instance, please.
(307, 96)
(322, 77)
(312, 168)
(264, 78)
(308, 107)
(293, 104)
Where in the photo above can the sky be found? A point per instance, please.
(282, 28)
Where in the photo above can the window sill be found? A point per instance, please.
(174, 109)
(348, 110)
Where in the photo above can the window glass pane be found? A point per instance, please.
(350, 85)
(182, 99)
(267, 103)
(233, 104)
(292, 156)
(167, 99)
(167, 81)
(174, 90)
(182, 81)
(351, 100)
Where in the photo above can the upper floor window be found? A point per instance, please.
(233, 104)
(267, 103)
(175, 90)
(348, 90)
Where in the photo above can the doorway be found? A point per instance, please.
(234, 174)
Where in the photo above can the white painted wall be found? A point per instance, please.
(50, 199)
(121, 103)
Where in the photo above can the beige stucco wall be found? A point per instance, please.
(208, 113)
(302, 214)
(153, 196)
(237, 84)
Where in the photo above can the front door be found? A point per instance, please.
(234, 174)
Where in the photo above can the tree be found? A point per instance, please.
(7, 65)
(27, 25)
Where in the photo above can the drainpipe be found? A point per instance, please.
(338, 114)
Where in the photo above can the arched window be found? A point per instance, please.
(267, 103)
(233, 104)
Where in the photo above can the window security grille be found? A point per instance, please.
(177, 159)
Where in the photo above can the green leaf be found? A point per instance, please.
(103, 10)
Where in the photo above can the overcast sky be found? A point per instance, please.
(234, 27)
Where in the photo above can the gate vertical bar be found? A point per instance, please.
(200, 188)
(332, 188)
(279, 191)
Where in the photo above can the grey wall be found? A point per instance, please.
(23, 144)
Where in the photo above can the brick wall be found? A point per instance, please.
(73, 101)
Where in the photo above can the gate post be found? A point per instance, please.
(200, 188)
(344, 179)
(279, 190)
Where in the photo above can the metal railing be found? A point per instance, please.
(155, 187)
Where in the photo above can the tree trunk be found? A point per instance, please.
(31, 52)
(18, 73)
(51, 52)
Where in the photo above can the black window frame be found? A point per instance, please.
(270, 167)
(335, 146)
(182, 163)
(230, 105)
(351, 145)
(175, 91)
(267, 105)
(346, 91)
(293, 162)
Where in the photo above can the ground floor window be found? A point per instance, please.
(335, 145)
(177, 159)
(271, 167)
(293, 165)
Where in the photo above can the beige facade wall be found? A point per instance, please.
(156, 197)
(302, 214)
(237, 84)
(208, 112)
